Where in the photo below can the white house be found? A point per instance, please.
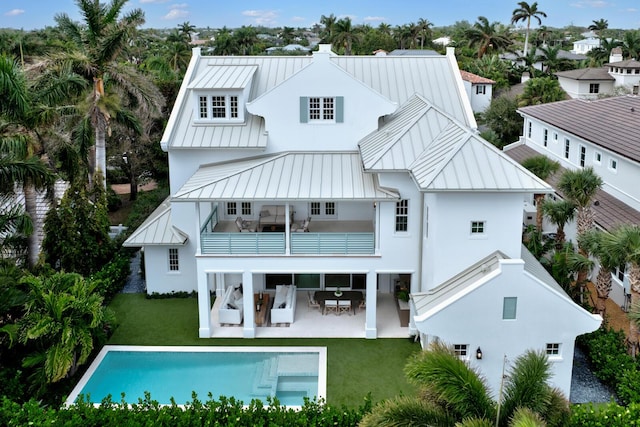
(377, 158)
(591, 83)
(584, 46)
(601, 134)
(479, 90)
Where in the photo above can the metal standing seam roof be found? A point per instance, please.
(610, 123)
(609, 213)
(286, 176)
(441, 154)
(157, 229)
(224, 77)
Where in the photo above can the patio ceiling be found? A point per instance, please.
(286, 176)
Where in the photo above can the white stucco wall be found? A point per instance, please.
(542, 317)
(450, 246)
(158, 276)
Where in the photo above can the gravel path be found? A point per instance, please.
(135, 283)
(585, 387)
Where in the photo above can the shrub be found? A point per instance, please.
(628, 387)
(112, 277)
(608, 354)
(612, 415)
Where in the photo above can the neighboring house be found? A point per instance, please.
(479, 90)
(290, 48)
(591, 83)
(377, 159)
(585, 46)
(602, 134)
(516, 58)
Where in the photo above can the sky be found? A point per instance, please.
(35, 14)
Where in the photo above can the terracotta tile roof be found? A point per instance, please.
(475, 79)
(609, 212)
(611, 123)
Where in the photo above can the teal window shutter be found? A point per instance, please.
(509, 306)
(339, 109)
(304, 109)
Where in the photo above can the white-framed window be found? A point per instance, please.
(218, 107)
(555, 137)
(402, 215)
(478, 227)
(597, 157)
(529, 129)
(481, 89)
(321, 109)
(583, 155)
(594, 88)
(509, 308)
(613, 164)
(619, 273)
(323, 209)
(246, 209)
(553, 349)
(174, 260)
(545, 137)
(461, 350)
(567, 148)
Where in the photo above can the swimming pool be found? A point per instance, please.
(246, 373)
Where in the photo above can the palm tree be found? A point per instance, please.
(631, 44)
(345, 34)
(453, 393)
(580, 186)
(327, 32)
(624, 243)
(552, 61)
(424, 30)
(599, 26)
(594, 243)
(488, 36)
(559, 212)
(524, 13)
(100, 42)
(66, 319)
(186, 29)
(542, 167)
(541, 90)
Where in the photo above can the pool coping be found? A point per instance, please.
(322, 362)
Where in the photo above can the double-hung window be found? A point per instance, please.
(583, 155)
(594, 88)
(218, 107)
(174, 260)
(545, 137)
(402, 215)
(323, 209)
(321, 109)
(245, 209)
(567, 148)
(461, 350)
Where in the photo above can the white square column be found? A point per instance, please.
(249, 327)
(371, 330)
(204, 305)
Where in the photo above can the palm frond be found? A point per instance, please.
(406, 411)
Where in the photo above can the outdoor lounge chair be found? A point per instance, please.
(244, 226)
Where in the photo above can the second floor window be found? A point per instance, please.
(322, 209)
(319, 109)
(218, 107)
(477, 227)
(583, 155)
(594, 88)
(567, 148)
(402, 215)
(545, 137)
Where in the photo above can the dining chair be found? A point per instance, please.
(344, 306)
(312, 302)
(331, 305)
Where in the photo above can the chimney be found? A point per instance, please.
(616, 55)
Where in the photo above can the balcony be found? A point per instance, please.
(323, 238)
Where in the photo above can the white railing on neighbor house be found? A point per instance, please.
(300, 243)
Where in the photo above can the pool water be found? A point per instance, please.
(246, 373)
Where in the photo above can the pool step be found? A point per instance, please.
(297, 365)
(266, 378)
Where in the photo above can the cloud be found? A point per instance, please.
(14, 12)
(597, 4)
(154, 1)
(262, 17)
(374, 19)
(176, 14)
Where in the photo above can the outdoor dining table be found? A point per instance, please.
(354, 296)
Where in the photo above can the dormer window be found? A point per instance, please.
(218, 108)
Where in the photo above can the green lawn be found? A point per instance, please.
(355, 366)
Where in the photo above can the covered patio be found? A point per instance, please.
(311, 323)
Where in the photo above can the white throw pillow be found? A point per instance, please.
(237, 294)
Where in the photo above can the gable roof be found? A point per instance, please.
(286, 176)
(475, 79)
(441, 154)
(157, 229)
(611, 123)
(224, 77)
(600, 73)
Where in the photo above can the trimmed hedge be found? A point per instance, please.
(227, 412)
(612, 415)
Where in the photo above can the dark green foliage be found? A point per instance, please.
(541, 90)
(503, 119)
(181, 294)
(147, 412)
(628, 387)
(146, 203)
(613, 415)
(77, 232)
(111, 278)
(114, 202)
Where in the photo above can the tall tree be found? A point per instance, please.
(541, 90)
(624, 243)
(186, 29)
(454, 394)
(631, 44)
(424, 30)
(560, 213)
(326, 34)
(543, 167)
(525, 12)
(599, 26)
(345, 34)
(488, 36)
(100, 41)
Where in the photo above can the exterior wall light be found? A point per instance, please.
(478, 354)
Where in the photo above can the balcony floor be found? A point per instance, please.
(310, 323)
